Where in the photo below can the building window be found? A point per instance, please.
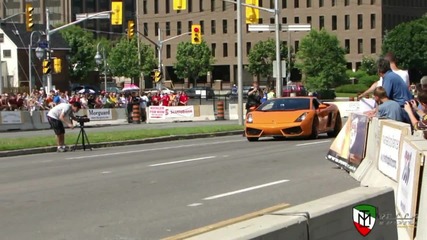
(347, 46)
(346, 2)
(296, 19)
(213, 46)
(225, 50)
(373, 45)
(190, 5)
(190, 24)
(144, 7)
(201, 5)
(224, 6)
(347, 22)
(168, 51)
(168, 28)
(359, 46)
(156, 29)
(296, 45)
(248, 47)
(212, 5)
(284, 3)
(213, 27)
(309, 19)
(321, 3)
(7, 53)
(334, 3)
(224, 26)
(359, 21)
(271, 20)
(334, 22)
(202, 26)
(178, 28)
(235, 49)
(372, 2)
(260, 3)
(309, 3)
(373, 21)
(359, 2)
(156, 6)
(235, 25)
(284, 20)
(167, 6)
(296, 3)
(271, 4)
(145, 29)
(321, 22)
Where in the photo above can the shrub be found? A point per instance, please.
(368, 80)
(351, 88)
(326, 94)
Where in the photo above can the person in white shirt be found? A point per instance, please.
(62, 113)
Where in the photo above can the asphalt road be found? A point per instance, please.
(157, 190)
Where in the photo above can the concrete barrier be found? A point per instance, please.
(329, 218)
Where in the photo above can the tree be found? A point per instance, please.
(193, 60)
(369, 65)
(408, 42)
(261, 58)
(82, 52)
(321, 59)
(123, 59)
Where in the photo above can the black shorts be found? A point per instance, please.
(56, 125)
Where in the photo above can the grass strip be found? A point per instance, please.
(99, 137)
(346, 94)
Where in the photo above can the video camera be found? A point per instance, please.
(82, 119)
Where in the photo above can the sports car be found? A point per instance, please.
(293, 117)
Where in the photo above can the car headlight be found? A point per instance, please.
(301, 118)
(249, 118)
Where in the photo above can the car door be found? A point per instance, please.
(322, 115)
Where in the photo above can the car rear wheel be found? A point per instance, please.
(252, 139)
(315, 129)
(337, 127)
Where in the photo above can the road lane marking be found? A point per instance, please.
(154, 149)
(194, 204)
(208, 228)
(312, 143)
(181, 161)
(106, 172)
(245, 190)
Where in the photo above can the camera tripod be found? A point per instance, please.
(84, 139)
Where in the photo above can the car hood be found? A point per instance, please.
(276, 117)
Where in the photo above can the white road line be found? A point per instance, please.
(153, 149)
(245, 190)
(312, 143)
(194, 204)
(105, 172)
(182, 161)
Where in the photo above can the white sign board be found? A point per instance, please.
(389, 151)
(180, 112)
(283, 68)
(11, 117)
(156, 112)
(405, 190)
(100, 114)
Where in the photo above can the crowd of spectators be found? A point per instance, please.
(40, 100)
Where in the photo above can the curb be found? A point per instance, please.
(30, 151)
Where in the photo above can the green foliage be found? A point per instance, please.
(408, 41)
(82, 52)
(321, 59)
(351, 88)
(326, 94)
(193, 60)
(368, 80)
(261, 57)
(369, 65)
(148, 59)
(123, 59)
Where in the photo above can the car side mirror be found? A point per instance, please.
(323, 106)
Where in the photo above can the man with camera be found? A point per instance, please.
(59, 115)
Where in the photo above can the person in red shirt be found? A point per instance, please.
(165, 100)
(183, 99)
(155, 99)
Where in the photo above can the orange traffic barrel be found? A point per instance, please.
(351, 99)
(220, 110)
(136, 117)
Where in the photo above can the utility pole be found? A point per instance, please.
(239, 64)
(159, 51)
(279, 79)
(48, 53)
(141, 76)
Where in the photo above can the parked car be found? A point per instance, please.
(298, 89)
(199, 92)
(96, 90)
(165, 90)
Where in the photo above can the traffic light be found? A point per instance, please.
(57, 65)
(47, 67)
(179, 5)
(29, 16)
(252, 14)
(117, 14)
(196, 34)
(157, 75)
(131, 29)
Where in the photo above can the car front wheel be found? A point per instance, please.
(252, 139)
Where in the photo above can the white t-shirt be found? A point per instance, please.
(56, 111)
(380, 82)
(404, 75)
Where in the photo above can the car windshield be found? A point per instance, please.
(285, 104)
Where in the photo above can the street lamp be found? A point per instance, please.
(99, 59)
(39, 54)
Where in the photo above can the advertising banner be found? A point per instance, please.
(11, 117)
(156, 112)
(349, 147)
(389, 151)
(180, 112)
(100, 114)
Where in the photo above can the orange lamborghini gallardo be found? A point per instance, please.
(293, 117)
